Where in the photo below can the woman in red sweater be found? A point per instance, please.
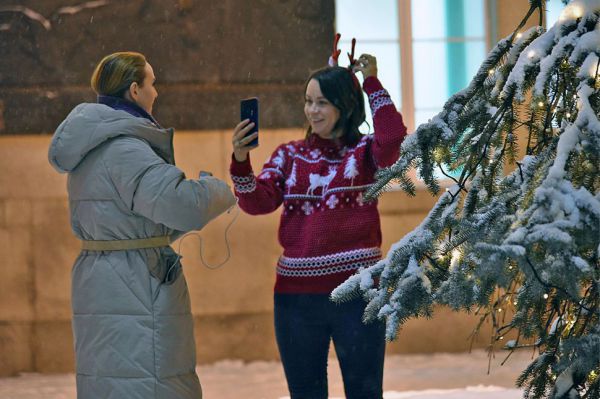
(327, 231)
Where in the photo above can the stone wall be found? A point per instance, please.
(206, 56)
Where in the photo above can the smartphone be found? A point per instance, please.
(249, 110)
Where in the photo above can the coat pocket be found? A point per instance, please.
(172, 265)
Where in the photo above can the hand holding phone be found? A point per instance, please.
(245, 134)
(249, 110)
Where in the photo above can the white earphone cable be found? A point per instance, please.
(193, 233)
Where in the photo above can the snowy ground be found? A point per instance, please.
(448, 376)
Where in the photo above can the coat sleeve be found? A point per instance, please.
(151, 187)
(262, 194)
(387, 123)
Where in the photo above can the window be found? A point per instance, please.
(553, 10)
(426, 50)
(375, 27)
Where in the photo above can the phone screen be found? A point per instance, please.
(249, 110)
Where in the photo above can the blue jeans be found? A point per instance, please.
(304, 325)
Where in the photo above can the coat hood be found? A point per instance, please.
(90, 125)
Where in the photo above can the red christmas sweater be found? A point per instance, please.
(326, 230)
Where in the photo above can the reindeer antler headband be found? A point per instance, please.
(335, 54)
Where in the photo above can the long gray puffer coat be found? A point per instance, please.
(132, 321)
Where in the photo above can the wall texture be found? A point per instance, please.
(206, 55)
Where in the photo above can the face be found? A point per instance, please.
(321, 114)
(145, 94)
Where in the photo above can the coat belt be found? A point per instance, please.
(122, 245)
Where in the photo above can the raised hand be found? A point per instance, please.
(367, 64)
(240, 143)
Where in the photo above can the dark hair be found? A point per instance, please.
(342, 89)
(116, 72)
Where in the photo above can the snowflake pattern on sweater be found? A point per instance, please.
(327, 231)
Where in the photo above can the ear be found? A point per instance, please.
(133, 90)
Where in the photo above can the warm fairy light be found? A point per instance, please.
(519, 35)
(491, 72)
(501, 337)
(573, 11)
(499, 310)
(510, 267)
(568, 115)
(540, 104)
(545, 296)
(574, 95)
(515, 303)
(531, 53)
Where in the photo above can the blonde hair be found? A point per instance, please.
(116, 72)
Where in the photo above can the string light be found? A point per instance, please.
(491, 72)
(568, 115)
(499, 310)
(540, 104)
(545, 296)
(531, 54)
(519, 35)
(515, 303)
(571, 12)
(501, 337)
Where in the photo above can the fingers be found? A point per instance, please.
(242, 129)
(244, 141)
(241, 143)
(367, 57)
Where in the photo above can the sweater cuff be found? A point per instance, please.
(243, 168)
(372, 84)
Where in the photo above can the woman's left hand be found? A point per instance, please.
(367, 64)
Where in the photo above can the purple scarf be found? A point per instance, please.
(127, 106)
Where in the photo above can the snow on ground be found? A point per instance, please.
(434, 376)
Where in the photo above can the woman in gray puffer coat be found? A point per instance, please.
(132, 321)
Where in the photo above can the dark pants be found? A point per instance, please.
(304, 325)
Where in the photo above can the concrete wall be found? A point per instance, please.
(232, 305)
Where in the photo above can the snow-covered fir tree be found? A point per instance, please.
(524, 243)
